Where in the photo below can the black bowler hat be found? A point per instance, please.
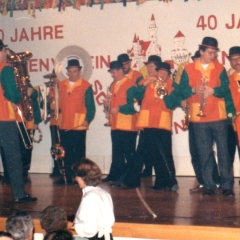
(164, 66)
(2, 44)
(196, 55)
(122, 58)
(234, 51)
(155, 59)
(115, 65)
(210, 42)
(73, 63)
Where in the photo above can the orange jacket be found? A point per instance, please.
(154, 113)
(234, 87)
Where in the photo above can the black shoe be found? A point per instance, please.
(228, 193)
(107, 179)
(26, 180)
(1, 177)
(26, 199)
(55, 174)
(5, 181)
(117, 184)
(208, 192)
(59, 182)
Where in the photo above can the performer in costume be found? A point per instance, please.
(77, 110)
(9, 96)
(205, 84)
(234, 86)
(95, 217)
(123, 120)
(155, 119)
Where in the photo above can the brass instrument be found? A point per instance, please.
(107, 108)
(19, 63)
(161, 91)
(40, 135)
(202, 101)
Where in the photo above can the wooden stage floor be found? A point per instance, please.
(181, 208)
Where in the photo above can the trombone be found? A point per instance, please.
(25, 129)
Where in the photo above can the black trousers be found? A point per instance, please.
(74, 144)
(159, 143)
(9, 142)
(123, 153)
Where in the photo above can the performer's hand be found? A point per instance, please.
(199, 89)
(29, 91)
(115, 110)
(84, 124)
(35, 126)
(208, 91)
(149, 80)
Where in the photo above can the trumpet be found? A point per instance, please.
(107, 108)
(161, 91)
(202, 101)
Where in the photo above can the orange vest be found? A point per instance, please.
(214, 108)
(72, 104)
(119, 121)
(154, 113)
(133, 76)
(7, 112)
(234, 87)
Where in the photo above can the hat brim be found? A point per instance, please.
(208, 46)
(235, 54)
(109, 70)
(3, 45)
(80, 67)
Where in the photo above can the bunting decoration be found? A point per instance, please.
(31, 5)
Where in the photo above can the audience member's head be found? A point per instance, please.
(52, 219)
(20, 226)
(87, 173)
(5, 236)
(59, 235)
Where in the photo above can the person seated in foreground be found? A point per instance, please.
(5, 236)
(53, 219)
(59, 235)
(95, 217)
(20, 226)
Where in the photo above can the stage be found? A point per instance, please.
(180, 215)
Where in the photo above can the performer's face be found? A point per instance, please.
(208, 56)
(151, 69)
(116, 74)
(3, 55)
(163, 74)
(235, 62)
(126, 67)
(74, 73)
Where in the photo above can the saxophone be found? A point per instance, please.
(161, 91)
(107, 108)
(19, 63)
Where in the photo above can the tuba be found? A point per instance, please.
(19, 63)
(161, 91)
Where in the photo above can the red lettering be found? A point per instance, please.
(2, 34)
(38, 33)
(100, 102)
(96, 61)
(224, 57)
(47, 31)
(32, 64)
(58, 31)
(201, 23)
(212, 22)
(23, 35)
(176, 126)
(238, 26)
(16, 36)
(97, 84)
(233, 23)
(43, 64)
(103, 60)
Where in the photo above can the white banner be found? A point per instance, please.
(173, 30)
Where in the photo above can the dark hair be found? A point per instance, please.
(88, 170)
(59, 235)
(19, 225)
(6, 234)
(202, 48)
(53, 218)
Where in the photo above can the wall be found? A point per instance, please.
(104, 34)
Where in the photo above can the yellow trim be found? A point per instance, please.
(12, 114)
(78, 120)
(165, 121)
(124, 121)
(194, 111)
(70, 88)
(222, 110)
(143, 118)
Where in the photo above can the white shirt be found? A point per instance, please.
(95, 213)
